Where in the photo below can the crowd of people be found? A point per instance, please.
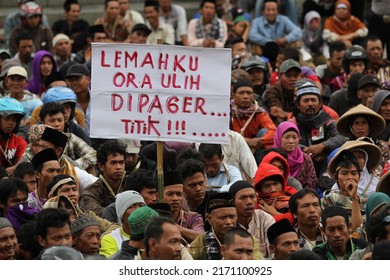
(305, 173)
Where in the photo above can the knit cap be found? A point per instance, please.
(4, 222)
(82, 223)
(124, 200)
(138, 220)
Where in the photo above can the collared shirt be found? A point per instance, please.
(304, 243)
(262, 31)
(227, 175)
(178, 19)
(164, 31)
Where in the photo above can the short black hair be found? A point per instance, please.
(27, 239)
(290, 53)
(304, 254)
(232, 41)
(190, 167)
(336, 46)
(10, 186)
(140, 179)
(187, 154)
(69, 3)
(267, 1)
(333, 211)
(293, 201)
(50, 109)
(155, 230)
(370, 38)
(230, 234)
(23, 168)
(23, 36)
(207, 1)
(51, 217)
(110, 147)
(210, 150)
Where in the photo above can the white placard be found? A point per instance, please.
(160, 93)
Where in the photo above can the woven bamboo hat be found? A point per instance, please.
(384, 184)
(364, 143)
(375, 121)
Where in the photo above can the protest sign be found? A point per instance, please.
(160, 93)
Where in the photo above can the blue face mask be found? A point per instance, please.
(20, 213)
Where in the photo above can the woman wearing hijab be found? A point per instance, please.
(344, 26)
(361, 121)
(301, 165)
(312, 37)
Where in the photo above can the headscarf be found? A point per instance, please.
(347, 26)
(308, 35)
(295, 158)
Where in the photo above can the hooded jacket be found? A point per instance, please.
(35, 84)
(377, 101)
(268, 171)
(290, 181)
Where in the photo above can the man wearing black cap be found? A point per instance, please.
(368, 85)
(339, 245)
(57, 140)
(160, 30)
(78, 79)
(249, 119)
(139, 33)
(222, 215)
(255, 221)
(46, 166)
(283, 240)
(190, 223)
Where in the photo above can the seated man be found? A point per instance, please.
(160, 30)
(237, 245)
(283, 240)
(343, 26)
(9, 242)
(189, 223)
(339, 244)
(273, 27)
(255, 221)
(219, 175)
(111, 163)
(208, 31)
(319, 136)
(305, 206)
(222, 216)
(249, 119)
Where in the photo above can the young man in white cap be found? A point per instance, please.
(62, 49)
(17, 81)
(125, 204)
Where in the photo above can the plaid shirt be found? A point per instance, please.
(83, 154)
(305, 244)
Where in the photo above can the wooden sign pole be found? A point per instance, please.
(160, 160)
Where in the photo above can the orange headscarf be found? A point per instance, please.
(350, 25)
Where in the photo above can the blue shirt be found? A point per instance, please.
(224, 179)
(262, 31)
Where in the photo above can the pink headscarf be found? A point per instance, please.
(295, 158)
